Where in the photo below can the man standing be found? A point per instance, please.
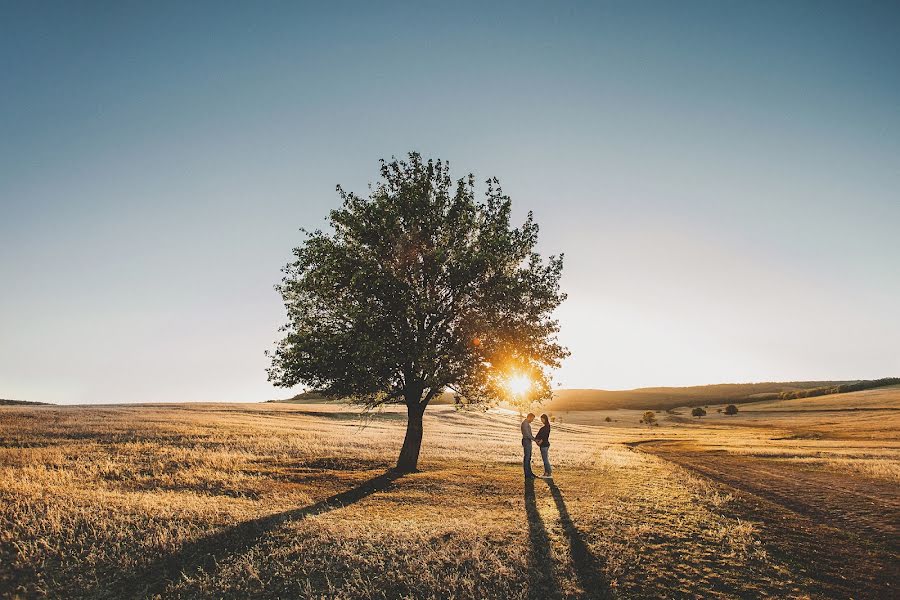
(527, 439)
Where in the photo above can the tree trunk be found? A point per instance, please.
(409, 453)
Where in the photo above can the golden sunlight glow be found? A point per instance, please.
(518, 384)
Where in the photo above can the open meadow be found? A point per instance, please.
(288, 285)
(790, 499)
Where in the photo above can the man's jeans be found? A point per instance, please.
(545, 450)
(526, 447)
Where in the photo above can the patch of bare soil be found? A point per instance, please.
(838, 533)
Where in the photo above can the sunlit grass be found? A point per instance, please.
(94, 497)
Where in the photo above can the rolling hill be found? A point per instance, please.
(661, 398)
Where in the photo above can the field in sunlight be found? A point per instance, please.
(287, 500)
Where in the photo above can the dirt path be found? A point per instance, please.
(838, 533)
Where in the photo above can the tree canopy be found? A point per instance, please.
(417, 288)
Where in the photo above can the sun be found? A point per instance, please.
(518, 384)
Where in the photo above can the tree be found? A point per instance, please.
(649, 418)
(731, 409)
(698, 412)
(418, 288)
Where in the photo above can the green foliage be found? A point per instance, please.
(417, 288)
(731, 409)
(698, 412)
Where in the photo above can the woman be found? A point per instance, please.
(543, 441)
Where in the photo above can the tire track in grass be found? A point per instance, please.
(818, 523)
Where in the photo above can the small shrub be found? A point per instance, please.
(731, 409)
(698, 412)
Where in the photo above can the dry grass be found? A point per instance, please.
(856, 433)
(233, 501)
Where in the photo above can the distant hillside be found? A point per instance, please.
(4, 402)
(316, 397)
(304, 398)
(661, 398)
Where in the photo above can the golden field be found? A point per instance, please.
(793, 499)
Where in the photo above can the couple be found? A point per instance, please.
(542, 440)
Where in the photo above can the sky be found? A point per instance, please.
(723, 178)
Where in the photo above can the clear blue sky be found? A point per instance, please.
(723, 177)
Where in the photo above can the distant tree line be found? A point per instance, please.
(843, 388)
(672, 397)
(6, 402)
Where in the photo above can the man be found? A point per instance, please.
(527, 440)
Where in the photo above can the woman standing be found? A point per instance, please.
(543, 441)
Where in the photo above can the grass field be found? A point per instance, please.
(794, 499)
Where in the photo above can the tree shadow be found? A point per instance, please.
(541, 582)
(205, 553)
(588, 569)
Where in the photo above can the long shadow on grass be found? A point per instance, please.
(206, 552)
(541, 583)
(588, 569)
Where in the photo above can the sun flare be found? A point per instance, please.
(518, 384)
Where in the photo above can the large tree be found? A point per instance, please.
(416, 289)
